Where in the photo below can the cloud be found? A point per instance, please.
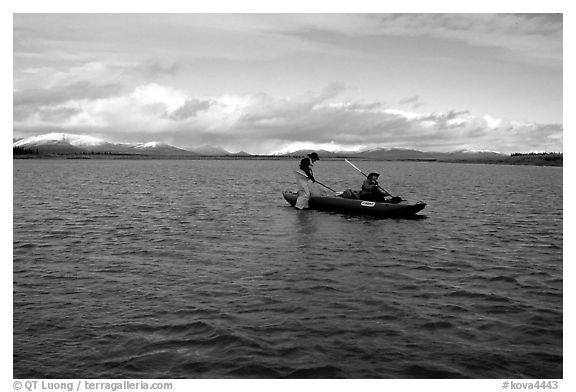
(265, 110)
(189, 109)
(62, 93)
(533, 35)
(58, 115)
(147, 38)
(385, 56)
(452, 119)
(413, 101)
(156, 68)
(57, 103)
(530, 37)
(263, 123)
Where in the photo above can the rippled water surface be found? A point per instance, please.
(200, 269)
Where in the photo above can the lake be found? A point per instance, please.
(200, 269)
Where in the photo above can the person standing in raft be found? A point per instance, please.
(303, 175)
(370, 189)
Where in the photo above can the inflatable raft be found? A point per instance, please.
(362, 207)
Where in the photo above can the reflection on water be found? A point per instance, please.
(305, 224)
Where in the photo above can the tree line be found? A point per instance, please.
(517, 154)
(24, 151)
(35, 151)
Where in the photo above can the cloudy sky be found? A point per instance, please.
(267, 83)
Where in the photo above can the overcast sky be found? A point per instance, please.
(266, 83)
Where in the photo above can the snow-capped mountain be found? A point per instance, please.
(144, 146)
(477, 152)
(55, 138)
(404, 154)
(66, 143)
(209, 150)
(161, 148)
(394, 153)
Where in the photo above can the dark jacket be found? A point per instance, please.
(368, 186)
(371, 191)
(306, 167)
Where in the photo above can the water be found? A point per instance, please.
(200, 269)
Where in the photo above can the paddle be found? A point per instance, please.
(395, 199)
(317, 182)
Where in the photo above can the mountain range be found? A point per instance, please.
(65, 143)
(394, 154)
(72, 144)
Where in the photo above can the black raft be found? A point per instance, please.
(354, 206)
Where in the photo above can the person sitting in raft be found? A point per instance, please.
(370, 189)
(304, 175)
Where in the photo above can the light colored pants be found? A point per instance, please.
(303, 184)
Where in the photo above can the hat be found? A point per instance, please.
(373, 174)
(313, 155)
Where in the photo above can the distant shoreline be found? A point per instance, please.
(525, 160)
